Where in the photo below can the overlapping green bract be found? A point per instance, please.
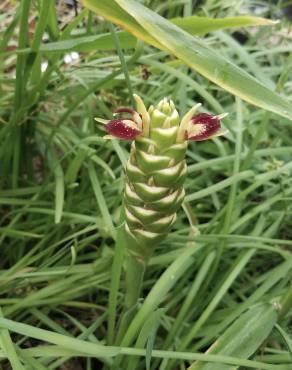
(155, 175)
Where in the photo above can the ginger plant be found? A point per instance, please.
(155, 174)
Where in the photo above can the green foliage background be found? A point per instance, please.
(61, 187)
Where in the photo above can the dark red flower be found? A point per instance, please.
(123, 129)
(203, 126)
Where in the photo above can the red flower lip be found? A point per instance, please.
(203, 126)
(123, 129)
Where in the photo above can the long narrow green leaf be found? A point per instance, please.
(243, 337)
(158, 292)
(59, 185)
(159, 32)
(202, 25)
(100, 199)
(8, 346)
(68, 346)
(286, 337)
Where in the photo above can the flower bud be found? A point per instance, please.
(164, 115)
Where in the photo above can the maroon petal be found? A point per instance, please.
(123, 130)
(204, 126)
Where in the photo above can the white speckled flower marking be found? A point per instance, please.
(156, 169)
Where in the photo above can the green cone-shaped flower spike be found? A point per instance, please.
(156, 169)
(155, 174)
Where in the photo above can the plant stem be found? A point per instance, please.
(135, 269)
(115, 283)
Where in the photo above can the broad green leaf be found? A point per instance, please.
(193, 24)
(159, 32)
(243, 337)
(112, 11)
